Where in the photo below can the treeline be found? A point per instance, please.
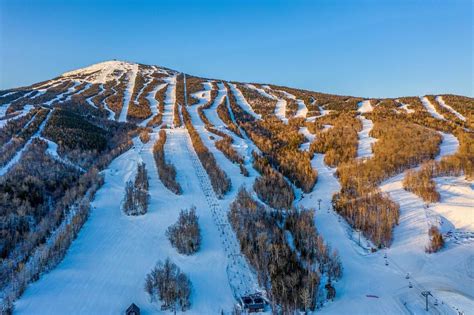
(224, 115)
(401, 145)
(160, 97)
(44, 203)
(271, 187)
(447, 114)
(166, 171)
(279, 143)
(260, 104)
(180, 100)
(139, 107)
(340, 142)
(193, 85)
(115, 91)
(290, 268)
(463, 105)
(8, 151)
(168, 284)
(219, 180)
(136, 193)
(306, 96)
(225, 144)
(421, 183)
(14, 126)
(185, 234)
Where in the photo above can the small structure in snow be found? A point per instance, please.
(253, 302)
(133, 309)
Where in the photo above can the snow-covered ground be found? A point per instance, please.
(450, 283)
(170, 99)
(242, 102)
(431, 109)
(26, 109)
(154, 104)
(405, 107)
(365, 107)
(18, 154)
(457, 202)
(364, 148)
(441, 102)
(105, 268)
(132, 75)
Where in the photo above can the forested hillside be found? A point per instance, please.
(294, 195)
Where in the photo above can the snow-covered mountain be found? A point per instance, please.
(300, 195)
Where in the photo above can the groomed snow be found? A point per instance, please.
(450, 283)
(154, 104)
(26, 109)
(431, 109)
(132, 75)
(242, 102)
(170, 100)
(364, 147)
(441, 102)
(105, 267)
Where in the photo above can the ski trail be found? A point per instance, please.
(441, 102)
(53, 152)
(26, 109)
(89, 99)
(261, 91)
(242, 102)
(58, 97)
(364, 147)
(365, 107)
(241, 278)
(431, 109)
(128, 93)
(170, 100)
(405, 107)
(18, 155)
(154, 104)
(302, 109)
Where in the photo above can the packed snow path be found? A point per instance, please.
(128, 93)
(441, 102)
(364, 148)
(431, 109)
(104, 269)
(407, 253)
(241, 279)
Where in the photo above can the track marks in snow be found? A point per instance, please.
(170, 100)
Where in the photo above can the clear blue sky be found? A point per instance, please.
(378, 48)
